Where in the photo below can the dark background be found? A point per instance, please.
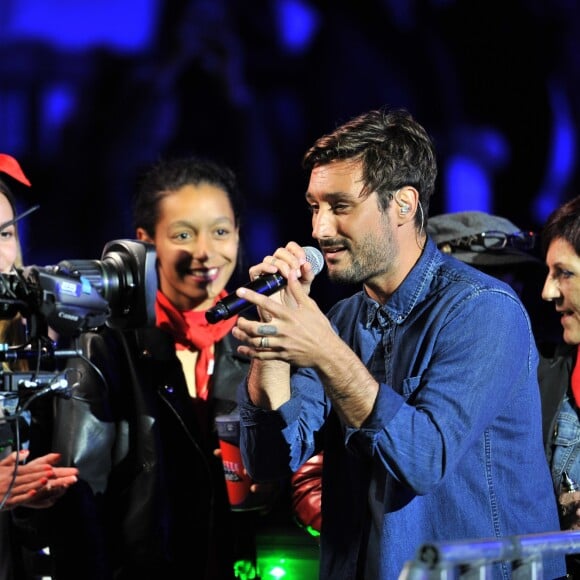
(93, 91)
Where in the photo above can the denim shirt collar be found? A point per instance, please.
(408, 294)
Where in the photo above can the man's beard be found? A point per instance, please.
(370, 258)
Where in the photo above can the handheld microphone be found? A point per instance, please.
(232, 304)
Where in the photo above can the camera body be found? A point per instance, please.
(77, 295)
(71, 297)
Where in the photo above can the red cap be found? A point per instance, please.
(10, 166)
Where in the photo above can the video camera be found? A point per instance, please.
(72, 297)
(77, 295)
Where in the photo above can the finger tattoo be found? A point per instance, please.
(267, 329)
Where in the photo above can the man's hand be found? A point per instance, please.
(570, 510)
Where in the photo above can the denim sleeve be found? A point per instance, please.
(471, 370)
(276, 443)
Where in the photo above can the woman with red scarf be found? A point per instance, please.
(151, 499)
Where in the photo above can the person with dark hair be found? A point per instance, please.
(559, 374)
(428, 416)
(151, 499)
(490, 243)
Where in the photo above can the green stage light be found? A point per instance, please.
(280, 567)
(314, 533)
(245, 570)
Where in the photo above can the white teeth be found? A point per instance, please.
(205, 273)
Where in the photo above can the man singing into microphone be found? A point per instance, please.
(420, 389)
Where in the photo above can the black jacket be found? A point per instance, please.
(151, 500)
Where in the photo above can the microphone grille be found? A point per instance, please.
(315, 258)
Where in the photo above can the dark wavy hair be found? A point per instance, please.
(564, 223)
(394, 150)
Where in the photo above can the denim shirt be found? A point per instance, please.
(566, 444)
(453, 447)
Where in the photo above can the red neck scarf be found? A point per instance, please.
(191, 331)
(575, 379)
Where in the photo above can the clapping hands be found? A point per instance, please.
(37, 484)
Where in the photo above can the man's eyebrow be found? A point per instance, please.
(331, 196)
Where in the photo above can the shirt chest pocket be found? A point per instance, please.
(567, 431)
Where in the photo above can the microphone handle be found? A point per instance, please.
(233, 304)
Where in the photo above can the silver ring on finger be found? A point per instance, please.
(264, 342)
